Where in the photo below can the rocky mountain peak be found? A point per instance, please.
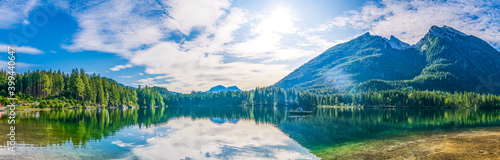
(445, 32)
(398, 44)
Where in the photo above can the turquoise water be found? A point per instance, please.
(220, 132)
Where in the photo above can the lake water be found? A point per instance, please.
(220, 132)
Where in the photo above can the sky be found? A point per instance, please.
(187, 45)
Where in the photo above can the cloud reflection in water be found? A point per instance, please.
(203, 139)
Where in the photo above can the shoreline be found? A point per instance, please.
(483, 143)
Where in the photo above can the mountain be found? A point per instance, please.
(175, 92)
(220, 88)
(359, 60)
(164, 91)
(444, 59)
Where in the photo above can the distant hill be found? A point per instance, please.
(220, 88)
(175, 92)
(444, 59)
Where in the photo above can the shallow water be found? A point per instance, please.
(220, 132)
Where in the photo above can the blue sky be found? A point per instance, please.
(189, 45)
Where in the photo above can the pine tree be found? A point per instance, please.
(58, 83)
(46, 84)
(77, 87)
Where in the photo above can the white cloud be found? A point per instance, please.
(193, 70)
(126, 76)
(5, 65)
(23, 49)
(187, 14)
(120, 67)
(410, 20)
(117, 26)
(139, 32)
(28, 50)
(216, 39)
(197, 64)
(147, 82)
(15, 12)
(259, 47)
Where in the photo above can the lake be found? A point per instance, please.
(222, 132)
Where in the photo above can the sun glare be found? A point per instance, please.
(279, 20)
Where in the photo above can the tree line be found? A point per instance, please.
(314, 98)
(59, 89)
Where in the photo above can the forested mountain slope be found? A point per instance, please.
(445, 59)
